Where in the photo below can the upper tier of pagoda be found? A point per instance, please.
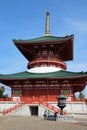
(61, 46)
(47, 51)
(47, 48)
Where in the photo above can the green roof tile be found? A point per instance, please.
(44, 38)
(58, 74)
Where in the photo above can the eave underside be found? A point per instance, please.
(64, 48)
(77, 83)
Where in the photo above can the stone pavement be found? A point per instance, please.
(38, 123)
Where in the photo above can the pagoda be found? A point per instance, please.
(46, 74)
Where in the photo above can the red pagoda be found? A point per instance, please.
(46, 74)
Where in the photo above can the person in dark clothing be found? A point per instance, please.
(45, 115)
(55, 116)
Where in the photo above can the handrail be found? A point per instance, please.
(47, 60)
(6, 111)
(51, 107)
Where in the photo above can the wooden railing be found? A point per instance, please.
(6, 111)
(51, 107)
(46, 61)
(25, 99)
(21, 104)
(5, 99)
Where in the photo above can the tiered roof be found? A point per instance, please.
(44, 39)
(64, 45)
(57, 74)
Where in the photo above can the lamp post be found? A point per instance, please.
(61, 102)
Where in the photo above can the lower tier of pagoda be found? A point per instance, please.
(41, 94)
(44, 87)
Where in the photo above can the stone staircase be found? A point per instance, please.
(16, 107)
(50, 107)
(13, 108)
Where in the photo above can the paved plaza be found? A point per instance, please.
(38, 123)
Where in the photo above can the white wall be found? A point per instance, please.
(23, 111)
(6, 105)
(73, 107)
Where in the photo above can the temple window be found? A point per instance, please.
(38, 54)
(44, 52)
(17, 92)
(66, 91)
(51, 52)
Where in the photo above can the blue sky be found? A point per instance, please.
(25, 19)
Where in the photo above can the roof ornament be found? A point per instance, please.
(47, 26)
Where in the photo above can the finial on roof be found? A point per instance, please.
(47, 26)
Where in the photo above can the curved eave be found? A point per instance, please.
(26, 47)
(51, 75)
(79, 88)
(79, 79)
(45, 39)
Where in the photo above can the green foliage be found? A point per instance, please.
(81, 95)
(5, 96)
(2, 89)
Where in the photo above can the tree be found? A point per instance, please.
(2, 89)
(81, 95)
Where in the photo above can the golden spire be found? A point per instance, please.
(47, 26)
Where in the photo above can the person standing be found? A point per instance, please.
(55, 116)
(45, 115)
(48, 114)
